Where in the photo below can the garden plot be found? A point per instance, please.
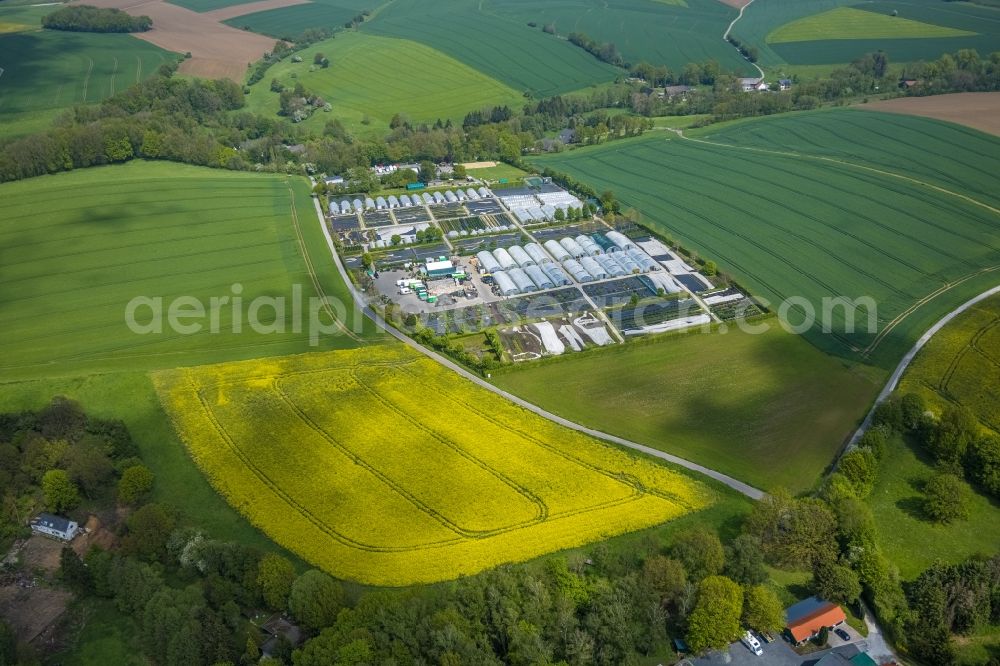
(448, 210)
(657, 317)
(616, 292)
(378, 218)
(484, 207)
(731, 303)
(554, 336)
(412, 215)
(693, 282)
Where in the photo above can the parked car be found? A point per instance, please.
(840, 631)
(752, 643)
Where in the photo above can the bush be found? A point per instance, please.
(860, 467)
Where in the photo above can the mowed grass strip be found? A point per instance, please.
(47, 71)
(499, 46)
(77, 247)
(850, 23)
(380, 466)
(768, 409)
(366, 80)
(787, 225)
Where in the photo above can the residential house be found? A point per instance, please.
(752, 83)
(48, 524)
(784, 84)
(806, 618)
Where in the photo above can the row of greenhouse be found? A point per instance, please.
(359, 205)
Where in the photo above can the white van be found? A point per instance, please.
(752, 643)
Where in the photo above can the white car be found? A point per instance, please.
(752, 643)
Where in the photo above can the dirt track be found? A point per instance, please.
(217, 50)
(225, 13)
(978, 110)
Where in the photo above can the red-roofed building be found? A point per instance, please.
(806, 618)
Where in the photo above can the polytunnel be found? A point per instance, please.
(556, 274)
(610, 266)
(472, 193)
(573, 247)
(539, 277)
(438, 197)
(641, 258)
(520, 256)
(462, 196)
(536, 252)
(489, 264)
(483, 192)
(504, 259)
(627, 263)
(450, 196)
(593, 268)
(505, 284)
(521, 279)
(557, 250)
(393, 201)
(576, 269)
(588, 245)
(358, 204)
(404, 201)
(620, 239)
(345, 206)
(369, 203)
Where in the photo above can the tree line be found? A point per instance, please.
(87, 18)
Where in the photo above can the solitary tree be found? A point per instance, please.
(946, 498)
(60, 493)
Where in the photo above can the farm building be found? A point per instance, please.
(573, 248)
(619, 239)
(556, 274)
(576, 269)
(404, 201)
(557, 250)
(436, 269)
(483, 192)
(539, 277)
(627, 263)
(521, 279)
(369, 203)
(380, 203)
(472, 193)
(358, 204)
(588, 245)
(750, 84)
(536, 252)
(450, 196)
(806, 618)
(645, 262)
(439, 198)
(520, 256)
(505, 284)
(593, 268)
(428, 199)
(393, 201)
(610, 266)
(504, 259)
(488, 262)
(54, 526)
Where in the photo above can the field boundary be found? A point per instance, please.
(735, 484)
(897, 374)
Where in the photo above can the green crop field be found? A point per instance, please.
(45, 72)
(110, 234)
(979, 27)
(961, 364)
(850, 23)
(287, 22)
(672, 34)
(505, 49)
(365, 79)
(824, 222)
(768, 409)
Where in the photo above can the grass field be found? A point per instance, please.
(46, 72)
(106, 235)
(764, 17)
(501, 170)
(500, 47)
(807, 224)
(768, 409)
(672, 34)
(383, 467)
(908, 539)
(365, 79)
(289, 22)
(850, 23)
(961, 364)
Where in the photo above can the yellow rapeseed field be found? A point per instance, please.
(380, 466)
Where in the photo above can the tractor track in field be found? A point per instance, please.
(735, 484)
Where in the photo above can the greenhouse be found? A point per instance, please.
(487, 262)
(593, 268)
(472, 193)
(627, 263)
(428, 199)
(450, 196)
(610, 266)
(556, 274)
(576, 269)
(520, 256)
(358, 204)
(380, 203)
(483, 192)
(588, 245)
(620, 239)
(345, 206)
(393, 201)
(573, 247)
(438, 197)
(536, 252)
(504, 259)
(521, 279)
(539, 277)
(557, 250)
(462, 196)
(505, 284)
(369, 203)
(404, 201)
(644, 260)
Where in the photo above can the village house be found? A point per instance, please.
(51, 525)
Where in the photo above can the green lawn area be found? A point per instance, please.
(365, 80)
(909, 540)
(154, 230)
(810, 206)
(768, 409)
(501, 170)
(679, 122)
(850, 23)
(48, 71)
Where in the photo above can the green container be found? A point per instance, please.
(415, 186)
